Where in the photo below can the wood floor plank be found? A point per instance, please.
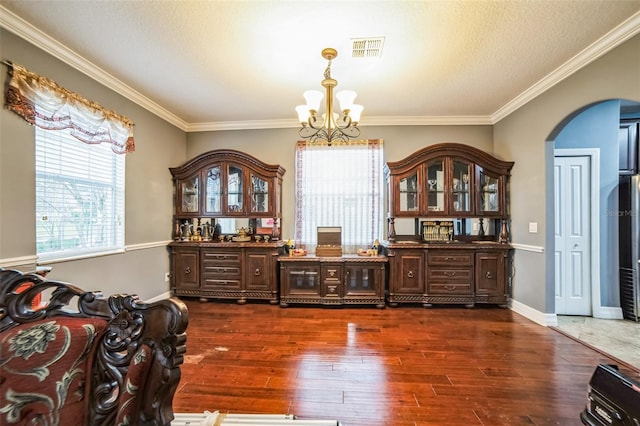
(369, 367)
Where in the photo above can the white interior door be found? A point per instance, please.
(572, 235)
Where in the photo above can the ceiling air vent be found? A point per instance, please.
(370, 47)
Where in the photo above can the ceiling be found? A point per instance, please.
(211, 65)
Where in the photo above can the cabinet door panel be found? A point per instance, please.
(461, 194)
(436, 186)
(235, 185)
(213, 191)
(490, 279)
(188, 196)
(258, 269)
(361, 280)
(303, 280)
(489, 186)
(260, 202)
(410, 273)
(408, 187)
(185, 270)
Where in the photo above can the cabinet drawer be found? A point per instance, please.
(225, 257)
(451, 258)
(216, 283)
(450, 274)
(449, 288)
(221, 270)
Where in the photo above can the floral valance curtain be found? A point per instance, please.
(43, 103)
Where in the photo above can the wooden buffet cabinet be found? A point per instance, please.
(452, 188)
(344, 280)
(227, 215)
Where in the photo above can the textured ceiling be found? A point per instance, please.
(207, 64)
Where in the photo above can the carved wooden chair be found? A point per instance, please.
(80, 359)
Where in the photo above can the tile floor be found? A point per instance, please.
(618, 338)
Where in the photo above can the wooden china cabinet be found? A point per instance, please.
(227, 218)
(457, 198)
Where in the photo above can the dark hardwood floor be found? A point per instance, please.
(397, 366)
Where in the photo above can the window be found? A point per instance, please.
(79, 196)
(339, 185)
(79, 166)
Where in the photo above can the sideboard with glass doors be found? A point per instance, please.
(450, 202)
(226, 227)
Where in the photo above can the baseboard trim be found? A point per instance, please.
(532, 314)
(12, 262)
(163, 296)
(608, 312)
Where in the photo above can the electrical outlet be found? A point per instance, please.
(533, 227)
(167, 275)
(475, 226)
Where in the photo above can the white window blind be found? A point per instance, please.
(339, 185)
(79, 197)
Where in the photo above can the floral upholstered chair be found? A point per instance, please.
(80, 359)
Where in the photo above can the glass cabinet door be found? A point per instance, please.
(303, 280)
(213, 193)
(189, 200)
(234, 189)
(489, 187)
(408, 193)
(259, 195)
(461, 187)
(435, 186)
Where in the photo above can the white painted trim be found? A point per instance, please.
(471, 120)
(29, 260)
(144, 246)
(594, 154)
(33, 35)
(527, 247)
(606, 43)
(547, 320)
(163, 296)
(608, 312)
(12, 262)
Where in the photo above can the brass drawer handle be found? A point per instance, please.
(450, 287)
(256, 272)
(187, 270)
(410, 274)
(450, 274)
(450, 258)
(488, 275)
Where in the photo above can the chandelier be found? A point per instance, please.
(332, 127)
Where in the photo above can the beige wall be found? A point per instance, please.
(521, 137)
(148, 190)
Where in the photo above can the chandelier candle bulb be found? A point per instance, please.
(330, 127)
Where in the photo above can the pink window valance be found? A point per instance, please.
(43, 103)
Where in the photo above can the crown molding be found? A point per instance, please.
(603, 45)
(28, 32)
(23, 29)
(371, 121)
